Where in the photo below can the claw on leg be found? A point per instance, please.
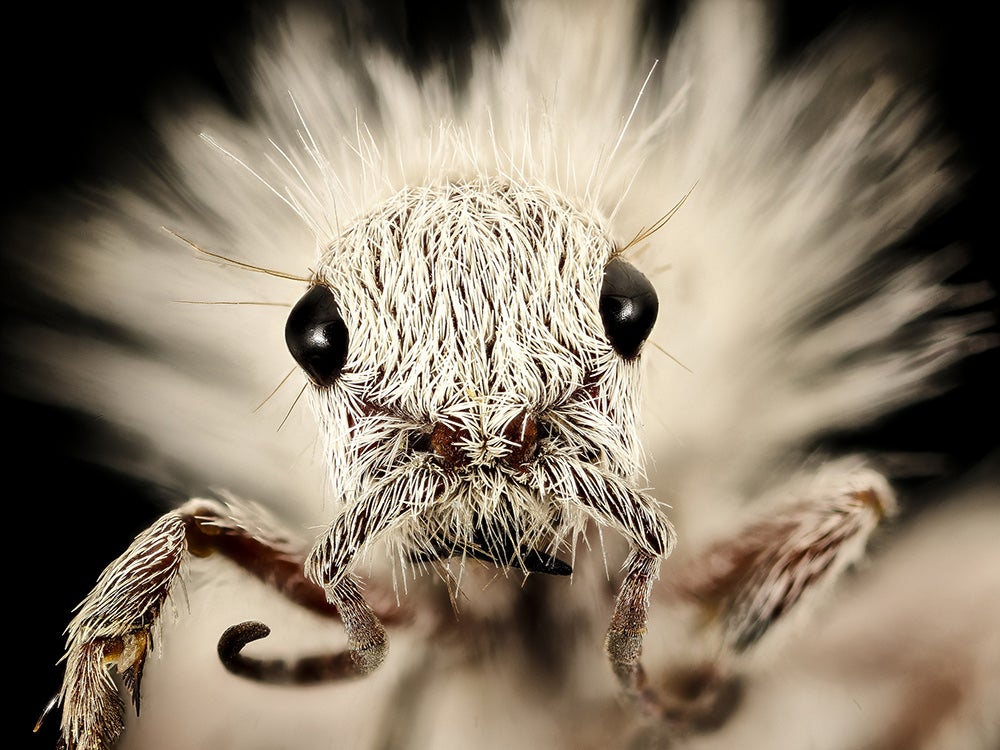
(113, 630)
(93, 712)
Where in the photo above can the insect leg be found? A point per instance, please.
(652, 537)
(774, 568)
(367, 646)
(404, 493)
(623, 642)
(780, 563)
(115, 624)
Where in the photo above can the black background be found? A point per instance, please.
(76, 83)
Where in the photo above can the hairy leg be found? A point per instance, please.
(367, 646)
(774, 568)
(400, 495)
(628, 626)
(115, 626)
(642, 521)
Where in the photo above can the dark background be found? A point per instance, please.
(76, 82)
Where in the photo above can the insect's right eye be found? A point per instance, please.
(316, 335)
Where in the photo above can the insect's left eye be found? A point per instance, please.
(316, 335)
(628, 307)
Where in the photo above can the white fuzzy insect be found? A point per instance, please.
(470, 322)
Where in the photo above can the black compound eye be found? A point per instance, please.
(316, 335)
(628, 307)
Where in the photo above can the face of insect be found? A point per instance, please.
(483, 336)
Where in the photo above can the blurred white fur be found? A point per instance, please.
(795, 179)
